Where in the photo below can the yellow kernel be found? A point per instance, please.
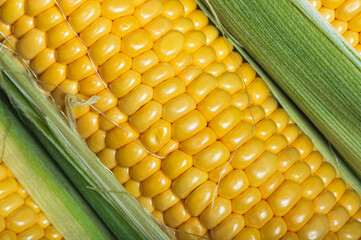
(43, 221)
(183, 24)
(70, 51)
(245, 201)
(181, 61)
(315, 160)
(158, 27)
(258, 91)
(139, 96)
(337, 187)
(105, 102)
(43, 60)
(287, 158)
(241, 100)
(136, 43)
(225, 121)
(189, 6)
(87, 124)
(298, 172)
(229, 227)
(214, 103)
(233, 61)
(204, 56)
(351, 37)
(194, 226)
(121, 174)
(254, 114)
(145, 168)
(125, 83)
(178, 107)
(233, 184)
(176, 215)
(326, 172)
(32, 43)
(348, 10)
(354, 24)
(200, 87)
(200, 198)
(199, 19)
(53, 76)
(291, 132)
(312, 186)
(223, 47)
(299, 215)
(342, 26)
(216, 69)
(169, 45)
(189, 74)
(248, 233)
(269, 105)
(285, 197)
(168, 90)
(188, 125)
(12, 10)
(155, 184)
(211, 157)
(35, 7)
(168, 148)
(99, 28)
(350, 230)
(10, 203)
(165, 200)
(85, 15)
(52, 233)
(147, 203)
(148, 11)
(145, 61)
(96, 142)
(107, 158)
(220, 172)
(133, 187)
(59, 35)
(332, 4)
(328, 14)
(246, 154)
(262, 169)
(104, 48)
(146, 116)
(324, 202)
(238, 135)
(173, 9)
(351, 201)
(198, 142)
(188, 181)
(281, 118)
(158, 74)
(194, 40)
(274, 229)
(91, 85)
(176, 164)
(130, 154)
(337, 217)
(5, 30)
(114, 9)
(21, 219)
(259, 215)
(125, 25)
(22, 26)
(230, 82)
(214, 214)
(157, 136)
(49, 19)
(265, 129)
(276, 143)
(80, 69)
(65, 88)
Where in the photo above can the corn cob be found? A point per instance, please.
(169, 81)
(20, 217)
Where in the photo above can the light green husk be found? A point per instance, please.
(45, 183)
(122, 213)
(308, 67)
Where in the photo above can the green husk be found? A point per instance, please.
(46, 184)
(120, 211)
(308, 67)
